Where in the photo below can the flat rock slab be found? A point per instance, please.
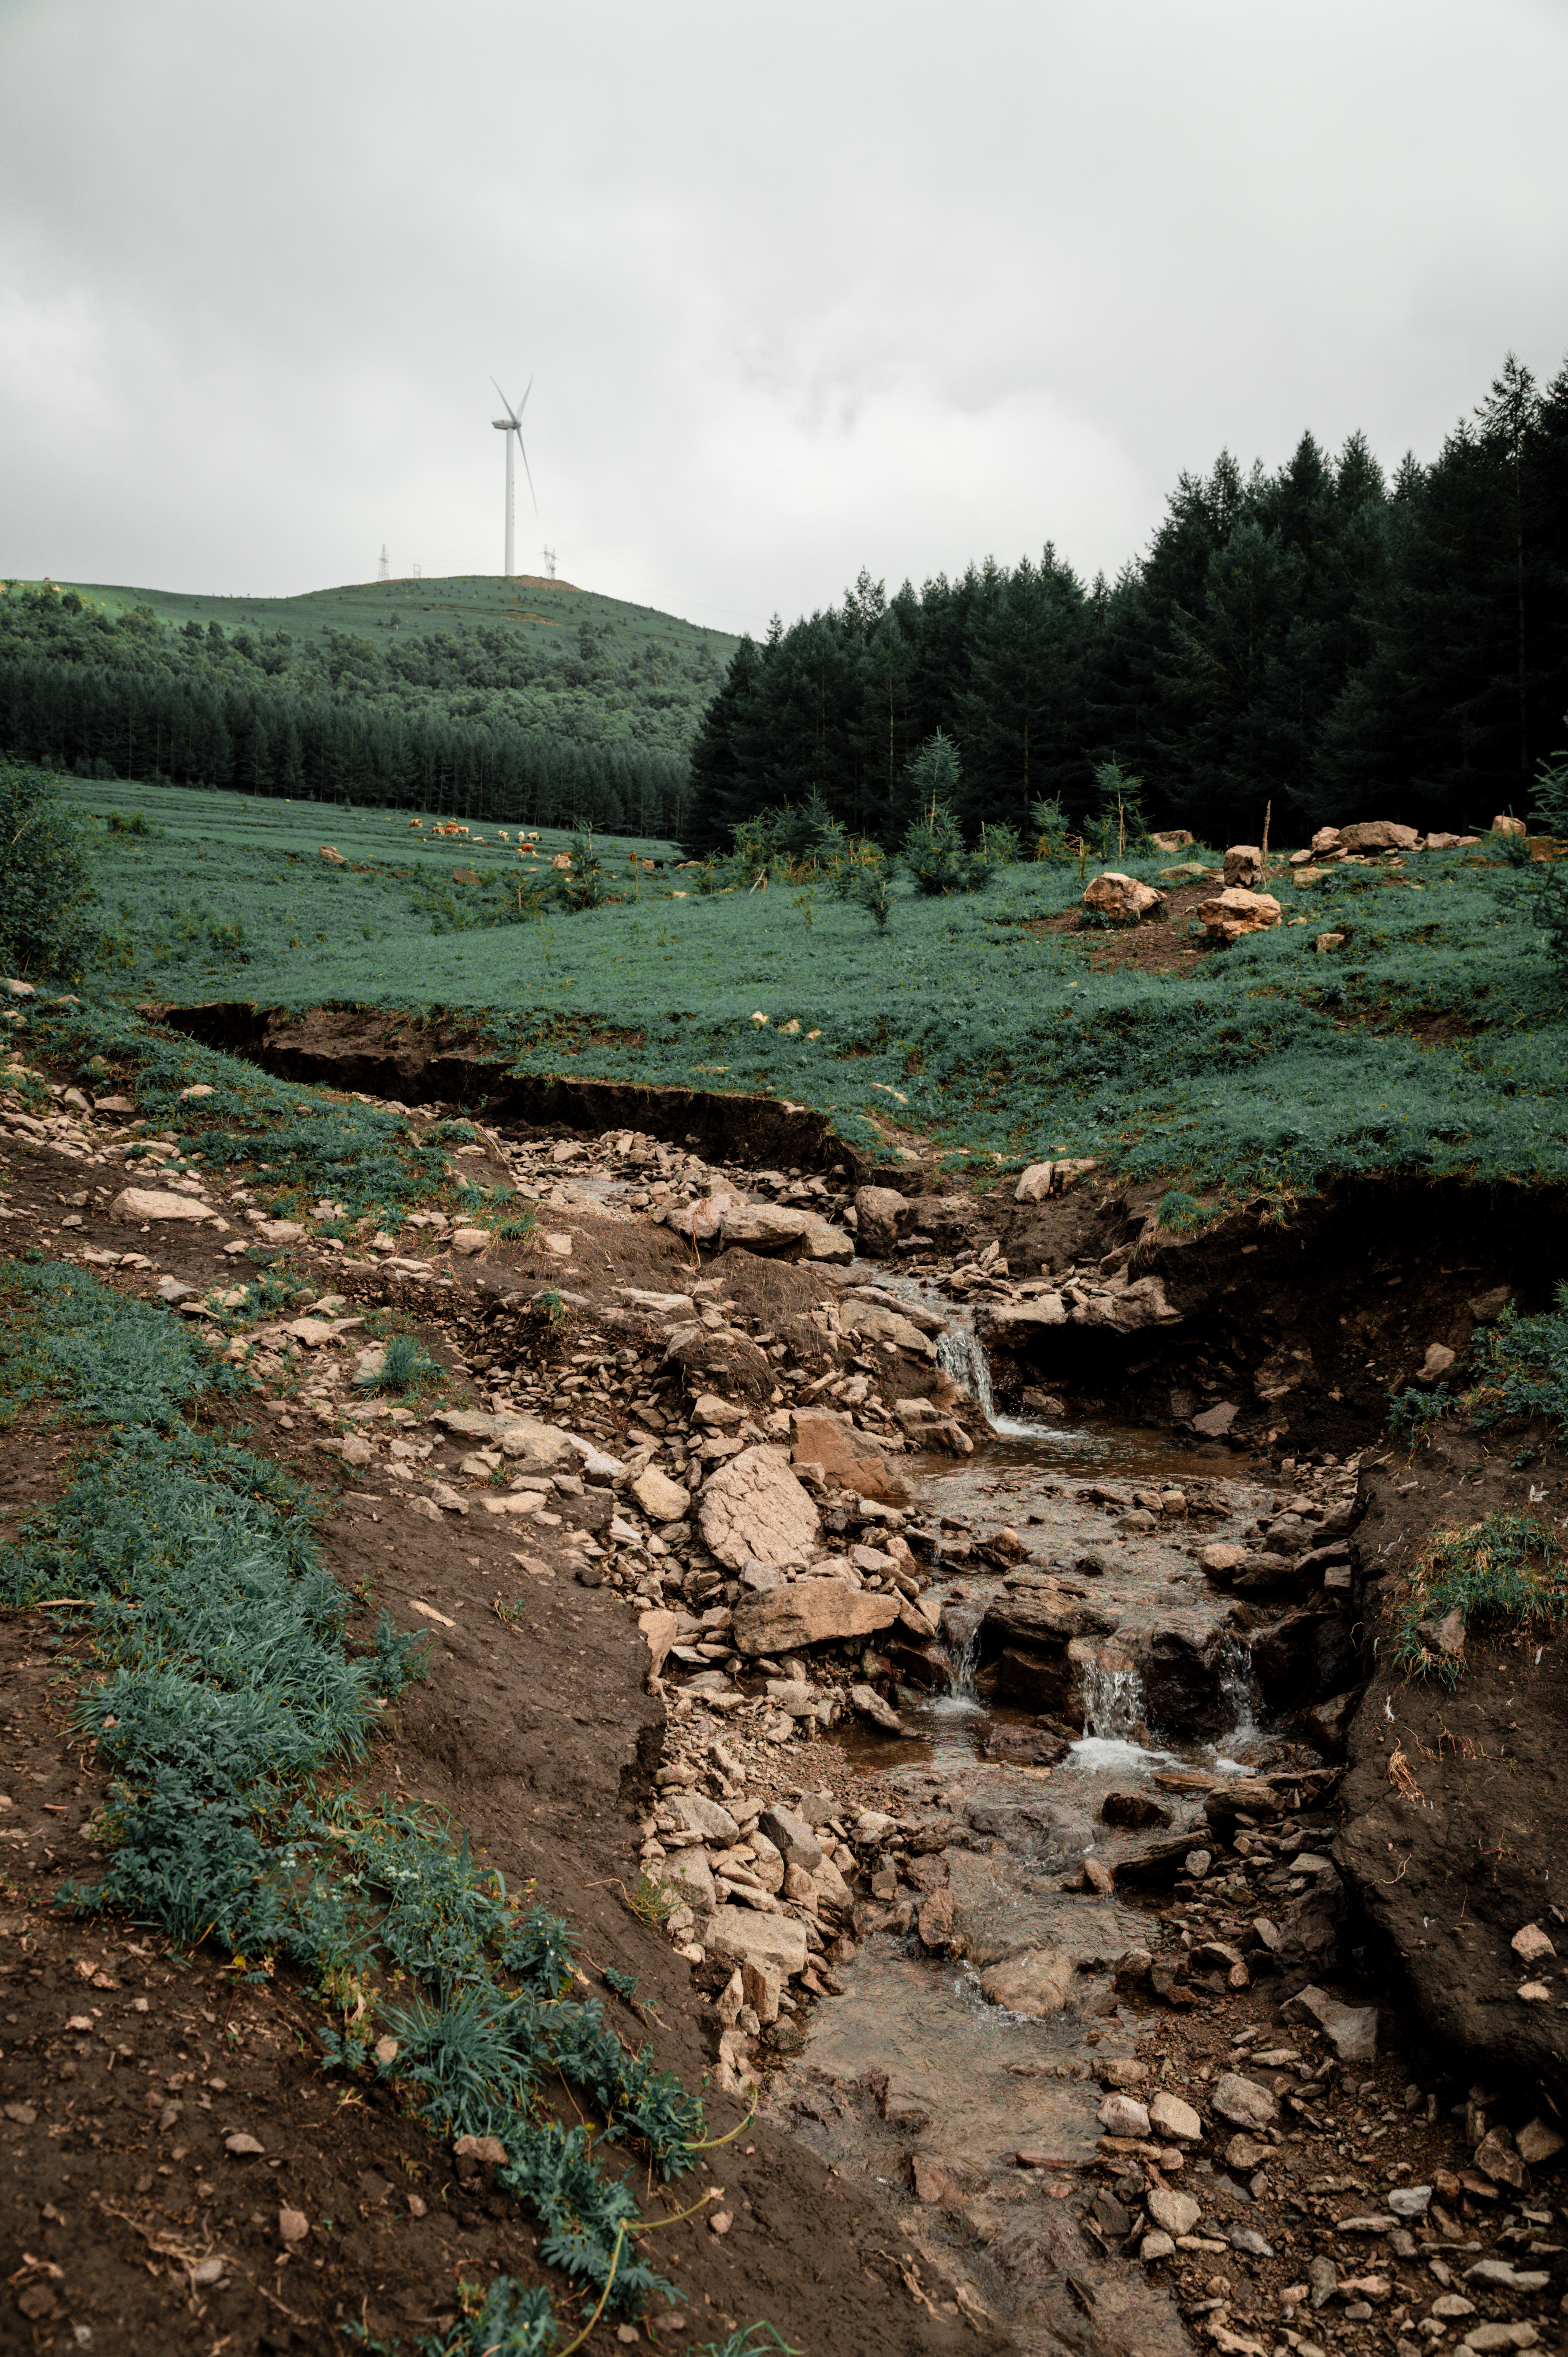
(1037, 1982)
(809, 1613)
(144, 1204)
(736, 1936)
(538, 1447)
(755, 1509)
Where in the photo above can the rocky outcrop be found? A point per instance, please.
(780, 1229)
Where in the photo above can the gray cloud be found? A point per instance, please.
(800, 291)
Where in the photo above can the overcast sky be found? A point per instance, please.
(801, 288)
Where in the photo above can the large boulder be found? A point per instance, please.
(1233, 912)
(1048, 1622)
(723, 1360)
(1125, 1309)
(809, 1613)
(1122, 899)
(780, 1229)
(1171, 839)
(1378, 834)
(880, 1211)
(1244, 865)
(755, 1510)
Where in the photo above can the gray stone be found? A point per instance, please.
(1351, 2030)
(793, 1838)
(1245, 2105)
(870, 1705)
(1409, 2201)
(738, 1936)
(700, 1815)
(1178, 2214)
(1119, 2116)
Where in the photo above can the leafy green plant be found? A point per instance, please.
(520, 1229)
(404, 1366)
(1414, 1415)
(867, 883)
(653, 1902)
(1502, 1572)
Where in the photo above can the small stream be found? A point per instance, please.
(973, 2078)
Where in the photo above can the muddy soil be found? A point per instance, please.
(933, 2164)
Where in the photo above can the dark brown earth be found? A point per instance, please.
(539, 1739)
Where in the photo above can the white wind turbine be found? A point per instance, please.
(510, 424)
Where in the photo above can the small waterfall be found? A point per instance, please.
(1236, 1685)
(1112, 1703)
(960, 1666)
(959, 1354)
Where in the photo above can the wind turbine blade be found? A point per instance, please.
(505, 403)
(522, 404)
(524, 455)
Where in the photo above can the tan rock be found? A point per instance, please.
(1233, 912)
(1035, 1184)
(1245, 2104)
(879, 1325)
(1020, 1319)
(1380, 834)
(822, 1438)
(1503, 825)
(701, 1221)
(738, 1935)
(1531, 1944)
(1326, 839)
(780, 1227)
(1438, 1359)
(720, 1415)
(1244, 865)
(1175, 2213)
(1221, 1557)
(808, 1613)
(1037, 1982)
(661, 1499)
(1174, 2120)
(333, 858)
(1122, 898)
(661, 1629)
(480, 2148)
(1539, 2141)
(875, 1711)
(145, 1204)
(880, 1211)
(1171, 839)
(468, 1241)
(754, 1507)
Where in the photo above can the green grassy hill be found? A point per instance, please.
(526, 603)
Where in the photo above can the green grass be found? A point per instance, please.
(1501, 1573)
(229, 1712)
(1433, 1043)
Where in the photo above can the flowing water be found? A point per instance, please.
(972, 2082)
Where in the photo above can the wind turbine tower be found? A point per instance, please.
(510, 424)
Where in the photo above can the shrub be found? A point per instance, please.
(867, 883)
(1181, 1214)
(46, 887)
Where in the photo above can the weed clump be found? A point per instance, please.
(404, 1365)
(1501, 1573)
(1524, 1367)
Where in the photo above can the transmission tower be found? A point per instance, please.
(550, 564)
(383, 569)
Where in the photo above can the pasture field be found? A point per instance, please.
(1432, 1037)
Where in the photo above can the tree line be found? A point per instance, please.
(433, 730)
(1321, 638)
